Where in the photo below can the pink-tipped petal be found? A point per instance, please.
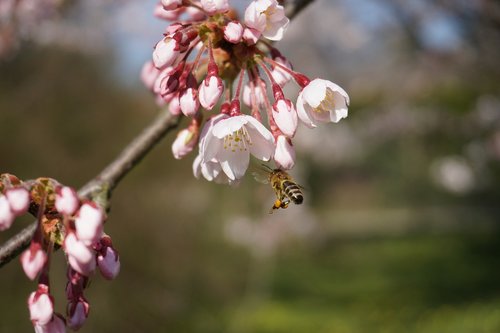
(19, 200)
(233, 32)
(67, 201)
(7, 216)
(32, 260)
(284, 155)
(41, 307)
(109, 263)
(88, 223)
(215, 6)
(210, 91)
(285, 116)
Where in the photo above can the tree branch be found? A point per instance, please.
(293, 7)
(133, 153)
(107, 178)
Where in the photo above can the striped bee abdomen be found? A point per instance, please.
(293, 192)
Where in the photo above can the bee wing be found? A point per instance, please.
(261, 176)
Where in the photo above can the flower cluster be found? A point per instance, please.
(209, 56)
(64, 221)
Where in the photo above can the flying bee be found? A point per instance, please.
(285, 188)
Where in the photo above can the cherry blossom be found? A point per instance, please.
(78, 312)
(267, 17)
(19, 200)
(80, 256)
(67, 201)
(88, 223)
(231, 141)
(322, 101)
(210, 91)
(7, 216)
(233, 32)
(33, 260)
(285, 116)
(215, 6)
(41, 306)
(184, 143)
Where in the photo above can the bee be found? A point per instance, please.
(285, 188)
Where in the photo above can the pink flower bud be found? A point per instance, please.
(67, 201)
(171, 4)
(285, 116)
(33, 260)
(215, 6)
(165, 52)
(169, 15)
(109, 263)
(7, 216)
(184, 143)
(80, 257)
(247, 95)
(174, 107)
(88, 223)
(159, 82)
(281, 76)
(149, 74)
(78, 312)
(210, 91)
(41, 306)
(284, 155)
(188, 101)
(19, 200)
(233, 32)
(56, 325)
(251, 36)
(195, 14)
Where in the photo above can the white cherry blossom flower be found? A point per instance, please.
(267, 17)
(322, 101)
(231, 140)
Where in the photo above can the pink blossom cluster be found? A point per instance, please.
(209, 56)
(67, 222)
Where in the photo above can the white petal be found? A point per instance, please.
(234, 164)
(229, 126)
(303, 111)
(315, 92)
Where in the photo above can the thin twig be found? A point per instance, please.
(126, 161)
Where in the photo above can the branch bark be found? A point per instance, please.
(125, 162)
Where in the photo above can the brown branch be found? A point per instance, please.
(109, 178)
(293, 7)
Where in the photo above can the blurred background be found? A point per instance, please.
(400, 227)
